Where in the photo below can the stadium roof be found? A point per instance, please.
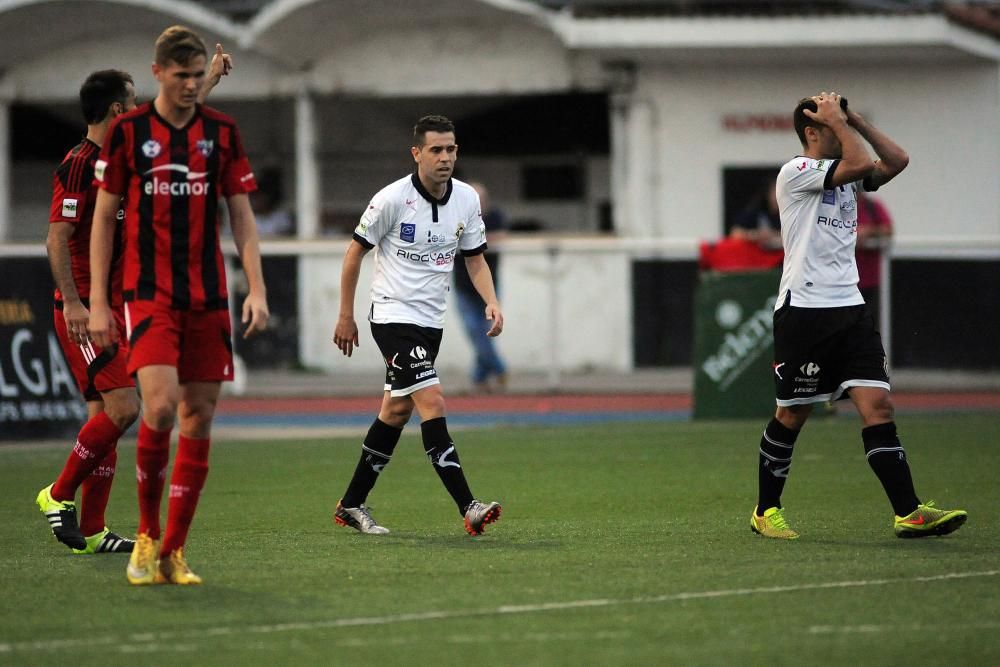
(309, 37)
(980, 15)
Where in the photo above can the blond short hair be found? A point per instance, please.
(179, 45)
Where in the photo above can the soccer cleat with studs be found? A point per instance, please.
(772, 524)
(142, 564)
(61, 515)
(478, 515)
(928, 520)
(173, 569)
(358, 518)
(106, 542)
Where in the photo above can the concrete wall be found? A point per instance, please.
(946, 118)
(375, 82)
(571, 310)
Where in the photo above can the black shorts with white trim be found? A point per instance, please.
(820, 353)
(409, 351)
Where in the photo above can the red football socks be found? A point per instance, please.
(96, 490)
(151, 456)
(186, 482)
(97, 437)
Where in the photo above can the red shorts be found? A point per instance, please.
(198, 343)
(95, 369)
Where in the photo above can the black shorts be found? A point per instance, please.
(820, 353)
(409, 351)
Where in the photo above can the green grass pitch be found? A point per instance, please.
(619, 544)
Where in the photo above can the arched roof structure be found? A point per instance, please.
(296, 30)
(414, 47)
(47, 47)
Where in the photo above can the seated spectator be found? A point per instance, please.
(759, 221)
(272, 218)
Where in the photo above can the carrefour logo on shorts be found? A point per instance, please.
(809, 369)
(418, 352)
(195, 183)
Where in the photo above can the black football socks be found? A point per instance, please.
(775, 460)
(376, 451)
(441, 452)
(888, 459)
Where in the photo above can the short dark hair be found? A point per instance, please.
(430, 124)
(100, 91)
(180, 45)
(801, 120)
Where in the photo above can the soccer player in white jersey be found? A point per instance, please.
(826, 346)
(420, 225)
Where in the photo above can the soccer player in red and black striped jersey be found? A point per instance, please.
(100, 373)
(112, 402)
(173, 159)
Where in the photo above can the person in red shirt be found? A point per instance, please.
(874, 236)
(173, 159)
(100, 373)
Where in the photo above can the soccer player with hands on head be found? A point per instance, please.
(826, 345)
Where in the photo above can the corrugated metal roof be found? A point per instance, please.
(980, 15)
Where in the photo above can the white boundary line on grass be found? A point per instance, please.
(127, 643)
(876, 629)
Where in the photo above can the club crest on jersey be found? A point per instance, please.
(205, 146)
(407, 232)
(829, 197)
(151, 148)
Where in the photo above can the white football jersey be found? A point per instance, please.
(418, 239)
(818, 231)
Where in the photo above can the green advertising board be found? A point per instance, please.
(733, 344)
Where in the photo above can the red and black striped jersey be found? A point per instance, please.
(172, 179)
(73, 195)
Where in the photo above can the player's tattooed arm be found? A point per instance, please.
(854, 163)
(892, 158)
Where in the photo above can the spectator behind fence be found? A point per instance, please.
(273, 219)
(488, 365)
(754, 239)
(759, 221)
(874, 236)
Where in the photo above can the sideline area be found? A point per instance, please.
(301, 404)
